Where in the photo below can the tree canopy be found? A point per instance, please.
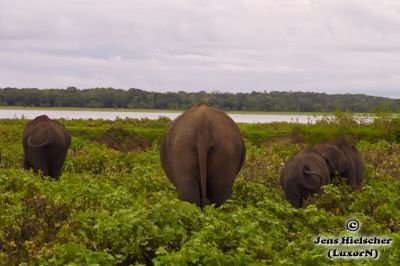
(137, 98)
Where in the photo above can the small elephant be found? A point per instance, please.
(201, 154)
(334, 157)
(304, 174)
(45, 143)
(344, 160)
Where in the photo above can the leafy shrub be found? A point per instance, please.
(117, 207)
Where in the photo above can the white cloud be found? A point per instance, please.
(242, 45)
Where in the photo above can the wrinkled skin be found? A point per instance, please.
(45, 143)
(201, 154)
(304, 174)
(344, 160)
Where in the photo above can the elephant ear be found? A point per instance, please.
(312, 180)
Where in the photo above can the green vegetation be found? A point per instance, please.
(114, 206)
(138, 99)
(87, 109)
(163, 110)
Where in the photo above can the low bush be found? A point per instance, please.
(114, 207)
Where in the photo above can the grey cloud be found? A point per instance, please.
(330, 46)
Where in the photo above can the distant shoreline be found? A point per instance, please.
(168, 111)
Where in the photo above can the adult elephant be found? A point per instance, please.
(201, 154)
(45, 143)
(343, 160)
(304, 174)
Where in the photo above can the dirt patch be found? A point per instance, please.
(287, 139)
(123, 140)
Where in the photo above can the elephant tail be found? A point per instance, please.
(202, 151)
(313, 180)
(49, 139)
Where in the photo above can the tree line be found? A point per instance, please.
(254, 101)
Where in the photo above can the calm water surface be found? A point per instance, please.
(244, 118)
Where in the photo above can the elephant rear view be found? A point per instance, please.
(45, 143)
(304, 174)
(201, 154)
(344, 160)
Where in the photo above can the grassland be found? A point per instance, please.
(114, 206)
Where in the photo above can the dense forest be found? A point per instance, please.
(254, 101)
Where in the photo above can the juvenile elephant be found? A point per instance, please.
(343, 159)
(45, 143)
(201, 154)
(304, 174)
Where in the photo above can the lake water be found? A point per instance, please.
(244, 118)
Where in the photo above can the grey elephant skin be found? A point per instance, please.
(343, 160)
(45, 143)
(304, 174)
(201, 154)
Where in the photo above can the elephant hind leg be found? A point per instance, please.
(27, 165)
(56, 165)
(220, 188)
(189, 190)
(186, 176)
(38, 161)
(187, 185)
(41, 169)
(220, 178)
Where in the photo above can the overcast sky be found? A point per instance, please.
(338, 46)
